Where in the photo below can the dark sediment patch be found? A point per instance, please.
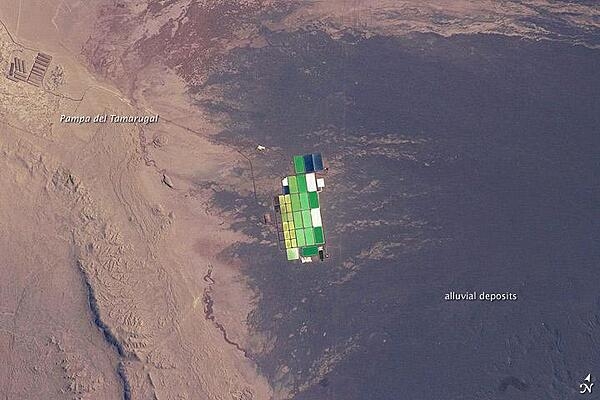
(186, 42)
(514, 382)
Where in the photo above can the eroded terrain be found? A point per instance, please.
(104, 295)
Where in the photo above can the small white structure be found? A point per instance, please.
(320, 183)
(260, 147)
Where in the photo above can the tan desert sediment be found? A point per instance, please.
(104, 292)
